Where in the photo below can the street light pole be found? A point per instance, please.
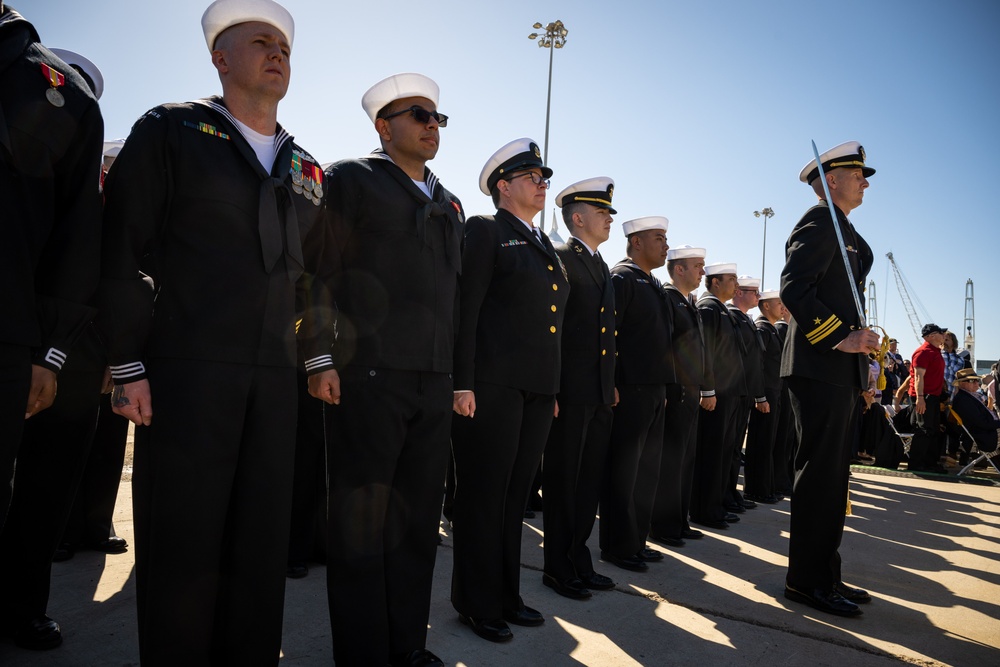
(767, 213)
(553, 38)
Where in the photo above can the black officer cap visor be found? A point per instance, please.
(520, 162)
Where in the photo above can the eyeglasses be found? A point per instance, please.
(749, 290)
(421, 115)
(535, 178)
(973, 381)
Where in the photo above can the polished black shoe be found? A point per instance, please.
(733, 508)
(830, 602)
(421, 657)
(855, 595)
(648, 555)
(574, 589)
(525, 616)
(529, 513)
(731, 518)
(493, 629)
(749, 504)
(112, 545)
(629, 563)
(38, 634)
(692, 534)
(668, 541)
(296, 570)
(711, 523)
(598, 582)
(766, 500)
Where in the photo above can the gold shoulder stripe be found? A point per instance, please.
(822, 331)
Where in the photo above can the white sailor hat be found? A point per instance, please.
(113, 147)
(848, 154)
(770, 294)
(223, 14)
(719, 269)
(396, 87)
(685, 252)
(519, 155)
(642, 224)
(594, 191)
(91, 74)
(748, 282)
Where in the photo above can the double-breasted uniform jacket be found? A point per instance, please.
(724, 358)
(644, 355)
(687, 339)
(817, 292)
(770, 341)
(392, 259)
(513, 299)
(50, 171)
(224, 241)
(588, 333)
(753, 362)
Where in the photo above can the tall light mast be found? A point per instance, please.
(970, 322)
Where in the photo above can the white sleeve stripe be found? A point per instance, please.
(316, 362)
(55, 357)
(127, 370)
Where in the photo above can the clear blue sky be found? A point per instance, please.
(702, 112)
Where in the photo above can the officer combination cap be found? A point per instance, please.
(90, 71)
(397, 87)
(929, 329)
(594, 191)
(223, 14)
(748, 281)
(720, 269)
(770, 294)
(519, 155)
(686, 252)
(849, 154)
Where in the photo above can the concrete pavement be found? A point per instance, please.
(926, 548)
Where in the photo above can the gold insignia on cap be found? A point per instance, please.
(538, 153)
(611, 191)
(861, 152)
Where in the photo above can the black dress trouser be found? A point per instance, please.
(680, 441)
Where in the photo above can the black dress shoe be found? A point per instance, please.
(421, 657)
(711, 523)
(749, 504)
(830, 602)
(574, 589)
(38, 634)
(733, 508)
(668, 541)
(692, 534)
(525, 616)
(598, 582)
(297, 570)
(648, 555)
(492, 629)
(529, 513)
(731, 518)
(628, 563)
(855, 595)
(112, 545)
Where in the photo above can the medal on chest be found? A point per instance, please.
(56, 80)
(307, 177)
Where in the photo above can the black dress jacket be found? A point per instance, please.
(770, 341)
(644, 355)
(513, 294)
(687, 340)
(724, 362)
(391, 263)
(50, 171)
(588, 333)
(224, 241)
(816, 290)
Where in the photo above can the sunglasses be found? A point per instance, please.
(421, 115)
(535, 178)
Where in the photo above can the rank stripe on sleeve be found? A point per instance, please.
(823, 330)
